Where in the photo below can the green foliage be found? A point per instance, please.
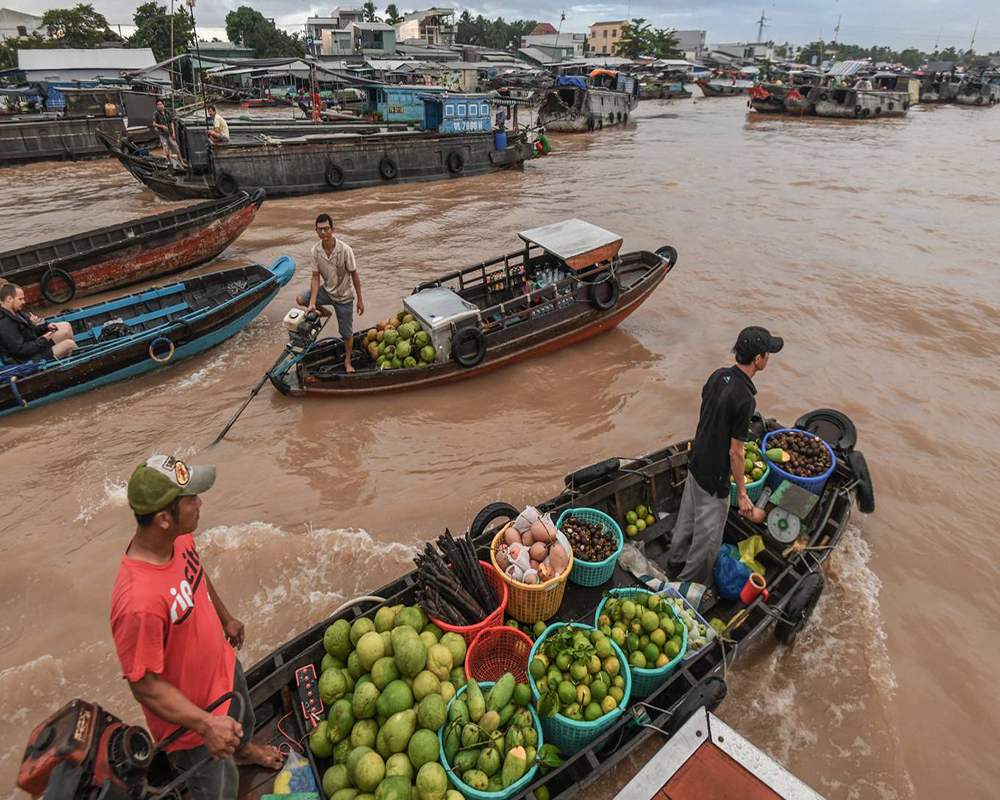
(392, 15)
(252, 29)
(368, 11)
(152, 29)
(639, 38)
(497, 33)
(81, 26)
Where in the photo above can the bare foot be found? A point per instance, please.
(261, 755)
(348, 368)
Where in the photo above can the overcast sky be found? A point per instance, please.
(898, 23)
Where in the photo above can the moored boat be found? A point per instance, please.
(116, 255)
(784, 96)
(977, 92)
(145, 331)
(567, 284)
(832, 101)
(725, 87)
(23, 140)
(577, 104)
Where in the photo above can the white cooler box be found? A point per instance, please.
(441, 312)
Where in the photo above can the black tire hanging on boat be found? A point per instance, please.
(832, 426)
(462, 341)
(865, 490)
(668, 254)
(799, 608)
(590, 123)
(708, 695)
(45, 285)
(487, 515)
(334, 176)
(227, 184)
(600, 302)
(979, 101)
(388, 168)
(865, 112)
(824, 96)
(592, 473)
(455, 162)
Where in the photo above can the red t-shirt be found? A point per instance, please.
(163, 621)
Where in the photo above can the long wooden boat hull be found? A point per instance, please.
(181, 320)
(985, 95)
(55, 139)
(573, 110)
(720, 89)
(858, 103)
(136, 250)
(563, 329)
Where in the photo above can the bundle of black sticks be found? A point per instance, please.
(452, 586)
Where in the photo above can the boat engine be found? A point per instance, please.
(82, 751)
(303, 327)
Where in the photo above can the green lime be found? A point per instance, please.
(631, 516)
(631, 530)
(640, 525)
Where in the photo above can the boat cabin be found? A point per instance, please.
(574, 242)
(456, 113)
(398, 103)
(893, 82)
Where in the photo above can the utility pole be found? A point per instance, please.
(171, 45)
(937, 39)
(761, 24)
(836, 31)
(972, 44)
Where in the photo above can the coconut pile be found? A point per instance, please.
(531, 549)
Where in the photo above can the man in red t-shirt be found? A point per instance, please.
(175, 637)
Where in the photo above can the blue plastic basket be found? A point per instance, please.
(753, 489)
(593, 573)
(572, 735)
(814, 485)
(475, 794)
(647, 681)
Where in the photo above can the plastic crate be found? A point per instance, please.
(572, 735)
(469, 632)
(475, 794)
(497, 650)
(593, 573)
(647, 681)
(814, 485)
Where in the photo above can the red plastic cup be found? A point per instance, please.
(755, 586)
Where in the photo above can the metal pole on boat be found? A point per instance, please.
(253, 394)
(194, 71)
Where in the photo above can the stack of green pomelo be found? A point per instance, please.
(399, 342)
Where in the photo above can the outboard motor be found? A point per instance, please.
(303, 327)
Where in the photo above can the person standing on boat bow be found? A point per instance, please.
(163, 124)
(335, 282)
(175, 639)
(727, 403)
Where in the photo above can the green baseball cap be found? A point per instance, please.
(162, 479)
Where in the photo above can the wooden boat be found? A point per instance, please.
(567, 285)
(784, 96)
(795, 582)
(57, 139)
(576, 104)
(116, 255)
(724, 87)
(154, 328)
(830, 101)
(977, 92)
(663, 90)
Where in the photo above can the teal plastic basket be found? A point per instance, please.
(572, 735)
(753, 489)
(475, 794)
(647, 681)
(593, 573)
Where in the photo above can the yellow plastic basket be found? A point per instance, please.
(529, 602)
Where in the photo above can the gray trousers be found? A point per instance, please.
(218, 779)
(697, 536)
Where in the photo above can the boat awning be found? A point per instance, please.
(580, 244)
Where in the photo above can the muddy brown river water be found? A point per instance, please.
(872, 248)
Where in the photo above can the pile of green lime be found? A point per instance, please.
(644, 627)
(637, 520)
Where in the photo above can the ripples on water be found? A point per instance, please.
(869, 247)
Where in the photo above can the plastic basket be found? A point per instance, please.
(497, 650)
(593, 573)
(647, 681)
(572, 735)
(528, 602)
(814, 485)
(475, 794)
(469, 632)
(710, 634)
(753, 489)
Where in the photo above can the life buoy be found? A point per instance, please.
(227, 184)
(334, 176)
(601, 298)
(156, 356)
(388, 168)
(455, 162)
(49, 286)
(468, 347)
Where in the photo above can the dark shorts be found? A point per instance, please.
(344, 311)
(217, 780)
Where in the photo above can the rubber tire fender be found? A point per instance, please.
(594, 472)
(708, 694)
(334, 175)
(388, 168)
(227, 184)
(824, 96)
(45, 285)
(799, 608)
(979, 101)
(865, 491)
(668, 253)
(603, 304)
(455, 162)
(848, 432)
(470, 335)
(487, 515)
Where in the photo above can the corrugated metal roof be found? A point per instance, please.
(111, 58)
(843, 68)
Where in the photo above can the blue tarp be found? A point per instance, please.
(572, 80)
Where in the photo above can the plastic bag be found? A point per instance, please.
(296, 776)
(748, 551)
(649, 573)
(730, 573)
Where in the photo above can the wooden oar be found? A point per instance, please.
(253, 394)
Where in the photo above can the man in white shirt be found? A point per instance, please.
(219, 132)
(335, 282)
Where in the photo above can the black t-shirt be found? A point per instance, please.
(727, 403)
(163, 118)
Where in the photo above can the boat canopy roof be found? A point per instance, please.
(580, 244)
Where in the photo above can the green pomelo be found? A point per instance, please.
(432, 712)
(384, 672)
(337, 639)
(399, 764)
(396, 696)
(332, 686)
(359, 628)
(428, 354)
(335, 779)
(456, 644)
(364, 732)
(319, 741)
(411, 656)
(369, 772)
(439, 661)
(426, 683)
(398, 729)
(370, 648)
(365, 697)
(432, 781)
(393, 787)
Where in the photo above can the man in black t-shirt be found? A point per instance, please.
(727, 403)
(163, 124)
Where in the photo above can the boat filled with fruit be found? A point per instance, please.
(568, 283)
(528, 656)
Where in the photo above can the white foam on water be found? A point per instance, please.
(113, 494)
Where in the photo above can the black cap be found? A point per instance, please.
(755, 341)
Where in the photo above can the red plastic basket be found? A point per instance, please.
(468, 632)
(496, 651)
